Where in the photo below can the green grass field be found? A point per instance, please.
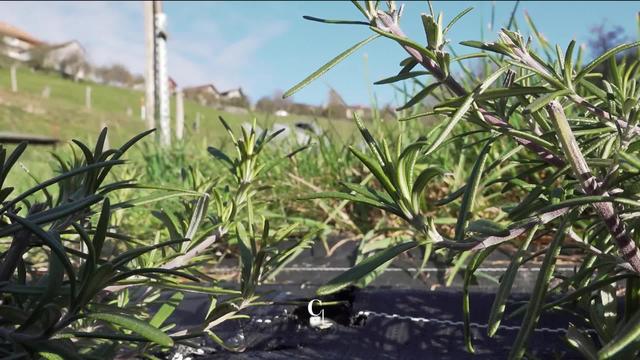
(63, 115)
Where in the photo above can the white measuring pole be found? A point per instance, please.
(149, 75)
(162, 77)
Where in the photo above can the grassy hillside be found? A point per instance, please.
(63, 115)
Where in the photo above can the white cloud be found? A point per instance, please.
(107, 30)
(113, 32)
(207, 55)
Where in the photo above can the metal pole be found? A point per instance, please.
(162, 77)
(149, 37)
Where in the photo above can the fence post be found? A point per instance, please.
(87, 98)
(179, 114)
(14, 79)
(196, 123)
(143, 110)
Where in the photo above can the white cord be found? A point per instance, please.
(367, 313)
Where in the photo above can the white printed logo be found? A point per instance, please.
(317, 319)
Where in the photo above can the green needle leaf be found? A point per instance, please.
(581, 342)
(166, 310)
(609, 53)
(499, 304)
(457, 116)
(542, 101)
(326, 67)
(407, 42)
(471, 192)
(137, 326)
(401, 76)
(539, 292)
(363, 268)
(456, 18)
(626, 337)
(419, 96)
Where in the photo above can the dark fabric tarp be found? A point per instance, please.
(382, 324)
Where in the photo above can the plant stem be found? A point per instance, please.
(19, 246)
(184, 259)
(590, 185)
(181, 260)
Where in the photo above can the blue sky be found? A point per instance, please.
(267, 46)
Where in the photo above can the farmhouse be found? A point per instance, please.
(15, 43)
(208, 95)
(69, 58)
(234, 98)
(204, 94)
(337, 107)
(139, 85)
(232, 94)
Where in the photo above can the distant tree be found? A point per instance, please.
(304, 109)
(266, 104)
(279, 102)
(137, 79)
(274, 103)
(603, 38)
(115, 74)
